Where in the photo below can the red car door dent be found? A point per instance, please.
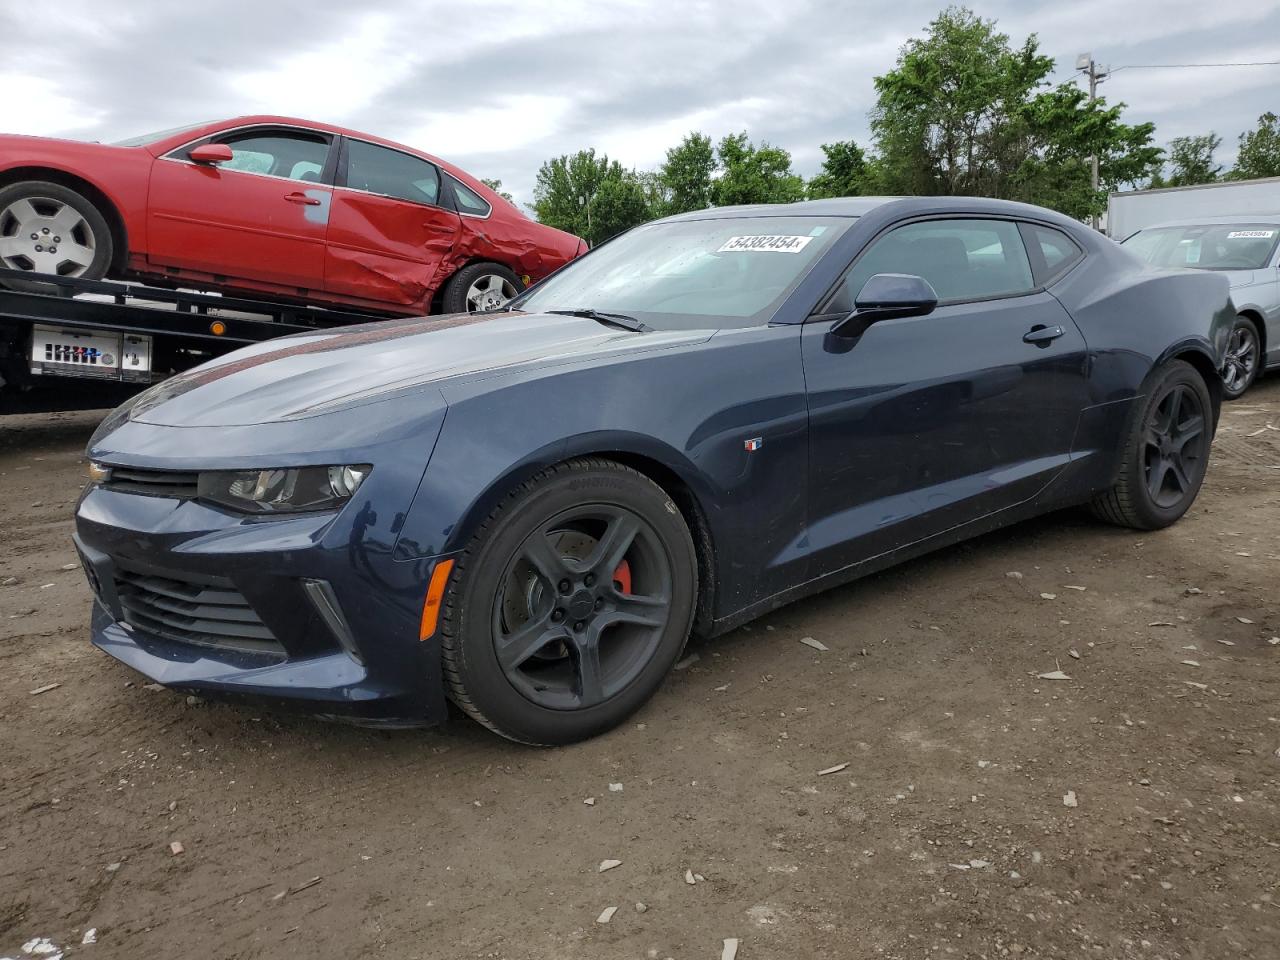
(384, 249)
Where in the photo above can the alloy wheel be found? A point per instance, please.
(489, 292)
(582, 607)
(1175, 446)
(45, 235)
(1241, 359)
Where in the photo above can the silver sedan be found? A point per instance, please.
(1247, 250)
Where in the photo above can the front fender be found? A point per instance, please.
(688, 411)
(472, 504)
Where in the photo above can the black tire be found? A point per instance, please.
(91, 233)
(543, 699)
(1244, 358)
(1173, 420)
(502, 284)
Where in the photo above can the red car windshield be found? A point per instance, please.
(149, 138)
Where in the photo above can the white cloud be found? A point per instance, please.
(516, 123)
(34, 105)
(333, 81)
(498, 86)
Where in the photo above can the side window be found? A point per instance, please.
(391, 173)
(294, 156)
(469, 201)
(961, 259)
(1058, 251)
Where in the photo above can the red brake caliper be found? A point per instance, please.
(622, 577)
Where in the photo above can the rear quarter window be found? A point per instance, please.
(1052, 252)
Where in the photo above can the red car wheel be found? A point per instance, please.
(48, 228)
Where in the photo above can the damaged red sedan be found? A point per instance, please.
(275, 206)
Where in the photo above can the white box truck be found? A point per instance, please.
(1130, 212)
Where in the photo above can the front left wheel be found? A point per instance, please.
(570, 604)
(51, 229)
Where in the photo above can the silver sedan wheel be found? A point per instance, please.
(1241, 360)
(489, 292)
(44, 235)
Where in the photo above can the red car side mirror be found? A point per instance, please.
(211, 153)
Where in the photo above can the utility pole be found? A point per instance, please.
(1096, 72)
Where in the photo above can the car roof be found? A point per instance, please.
(273, 120)
(269, 119)
(861, 206)
(834, 207)
(1267, 218)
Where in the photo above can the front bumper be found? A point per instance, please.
(205, 601)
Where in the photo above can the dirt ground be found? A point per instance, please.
(1130, 811)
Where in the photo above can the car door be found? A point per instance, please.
(389, 232)
(924, 423)
(260, 216)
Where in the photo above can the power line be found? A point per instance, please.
(1182, 66)
(1173, 66)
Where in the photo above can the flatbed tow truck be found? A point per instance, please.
(84, 344)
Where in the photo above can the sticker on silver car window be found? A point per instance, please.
(1251, 234)
(764, 244)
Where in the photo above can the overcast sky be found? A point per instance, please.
(497, 87)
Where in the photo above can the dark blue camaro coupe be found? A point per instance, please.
(529, 512)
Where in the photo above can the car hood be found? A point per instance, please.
(308, 375)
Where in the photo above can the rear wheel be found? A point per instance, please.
(570, 604)
(479, 288)
(1243, 359)
(51, 229)
(1166, 452)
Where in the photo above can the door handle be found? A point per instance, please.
(302, 198)
(1041, 335)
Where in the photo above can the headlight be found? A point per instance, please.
(284, 490)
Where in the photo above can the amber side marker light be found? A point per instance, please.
(217, 328)
(435, 596)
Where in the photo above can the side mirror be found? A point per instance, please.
(887, 296)
(210, 153)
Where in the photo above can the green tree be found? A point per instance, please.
(684, 180)
(1191, 160)
(1064, 129)
(1259, 154)
(496, 187)
(594, 197)
(845, 172)
(751, 174)
(966, 112)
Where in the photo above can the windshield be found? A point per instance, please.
(692, 273)
(149, 138)
(1219, 246)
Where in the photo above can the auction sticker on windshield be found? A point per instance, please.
(765, 244)
(1251, 234)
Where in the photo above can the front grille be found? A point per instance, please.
(210, 613)
(155, 483)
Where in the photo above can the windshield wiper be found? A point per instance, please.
(613, 319)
